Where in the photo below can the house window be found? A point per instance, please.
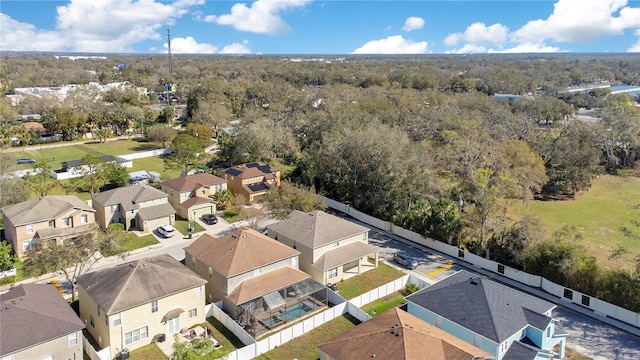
(26, 245)
(203, 192)
(333, 273)
(73, 339)
(500, 268)
(65, 221)
(585, 300)
(210, 272)
(198, 291)
(193, 313)
(91, 321)
(568, 293)
(84, 218)
(116, 319)
(98, 310)
(106, 319)
(154, 306)
(135, 335)
(30, 228)
(549, 331)
(52, 223)
(115, 208)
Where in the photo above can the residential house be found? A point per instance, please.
(137, 207)
(507, 323)
(395, 334)
(193, 195)
(135, 303)
(53, 217)
(38, 323)
(251, 180)
(331, 248)
(256, 278)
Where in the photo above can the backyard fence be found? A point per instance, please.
(596, 305)
(104, 354)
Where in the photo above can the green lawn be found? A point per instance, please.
(234, 213)
(131, 241)
(383, 304)
(148, 352)
(227, 340)
(155, 163)
(368, 280)
(306, 346)
(607, 216)
(183, 226)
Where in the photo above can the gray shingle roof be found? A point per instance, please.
(343, 254)
(32, 314)
(43, 209)
(138, 282)
(520, 351)
(156, 211)
(129, 196)
(490, 309)
(316, 228)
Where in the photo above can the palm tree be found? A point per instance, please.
(224, 198)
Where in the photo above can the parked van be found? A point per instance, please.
(166, 230)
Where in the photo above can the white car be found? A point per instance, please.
(166, 230)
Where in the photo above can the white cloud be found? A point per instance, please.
(189, 45)
(96, 26)
(413, 23)
(392, 45)
(236, 48)
(479, 33)
(580, 21)
(468, 49)
(263, 17)
(635, 47)
(527, 48)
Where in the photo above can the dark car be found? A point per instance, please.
(26, 161)
(210, 219)
(406, 261)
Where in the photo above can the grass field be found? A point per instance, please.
(607, 216)
(55, 156)
(306, 346)
(368, 280)
(381, 305)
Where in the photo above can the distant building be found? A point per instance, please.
(252, 180)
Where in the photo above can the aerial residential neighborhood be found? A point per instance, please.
(344, 208)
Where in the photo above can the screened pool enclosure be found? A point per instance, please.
(283, 306)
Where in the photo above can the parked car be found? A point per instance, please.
(26, 161)
(166, 230)
(210, 219)
(406, 261)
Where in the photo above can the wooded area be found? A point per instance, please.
(416, 140)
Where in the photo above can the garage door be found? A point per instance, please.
(208, 209)
(151, 225)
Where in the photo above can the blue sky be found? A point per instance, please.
(321, 27)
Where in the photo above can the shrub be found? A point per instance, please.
(8, 280)
(411, 288)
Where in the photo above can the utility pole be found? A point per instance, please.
(169, 50)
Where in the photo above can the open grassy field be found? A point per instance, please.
(607, 216)
(55, 156)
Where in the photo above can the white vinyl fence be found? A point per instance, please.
(7, 273)
(104, 354)
(570, 295)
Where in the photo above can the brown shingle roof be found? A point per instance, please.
(156, 211)
(192, 182)
(196, 200)
(43, 209)
(397, 334)
(138, 282)
(238, 252)
(129, 196)
(266, 283)
(316, 228)
(32, 314)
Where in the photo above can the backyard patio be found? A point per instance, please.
(165, 343)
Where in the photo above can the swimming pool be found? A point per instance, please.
(292, 312)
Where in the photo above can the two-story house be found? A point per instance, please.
(396, 334)
(137, 207)
(55, 218)
(330, 247)
(256, 278)
(131, 304)
(251, 180)
(193, 195)
(38, 323)
(506, 323)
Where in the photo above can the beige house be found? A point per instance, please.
(135, 303)
(137, 207)
(37, 323)
(193, 196)
(256, 278)
(52, 217)
(330, 247)
(251, 180)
